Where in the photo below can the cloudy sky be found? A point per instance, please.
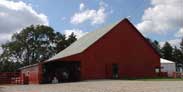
(160, 20)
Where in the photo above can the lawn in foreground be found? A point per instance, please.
(101, 86)
(157, 79)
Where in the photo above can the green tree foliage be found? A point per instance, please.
(181, 45)
(61, 42)
(8, 66)
(167, 51)
(71, 39)
(157, 47)
(33, 44)
(177, 55)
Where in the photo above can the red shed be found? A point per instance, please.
(115, 51)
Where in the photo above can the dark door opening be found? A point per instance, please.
(25, 79)
(61, 71)
(115, 71)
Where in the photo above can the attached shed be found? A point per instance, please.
(168, 66)
(115, 51)
(31, 74)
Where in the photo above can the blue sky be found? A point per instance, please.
(66, 8)
(157, 19)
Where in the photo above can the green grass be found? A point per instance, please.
(155, 79)
(161, 79)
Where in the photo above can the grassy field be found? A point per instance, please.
(138, 85)
(156, 79)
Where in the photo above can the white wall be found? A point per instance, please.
(169, 68)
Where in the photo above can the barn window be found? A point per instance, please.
(157, 70)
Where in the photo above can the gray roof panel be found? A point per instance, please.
(83, 43)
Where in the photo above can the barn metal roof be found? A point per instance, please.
(165, 61)
(28, 66)
(83, 43)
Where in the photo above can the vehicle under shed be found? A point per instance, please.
(62, 71)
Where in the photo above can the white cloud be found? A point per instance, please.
(163, 16)
(1, 50)
(95, 16)
(81, 6)
(174, 42)
(179, 33)
(4, 37)
(17, 15)
(79, 33)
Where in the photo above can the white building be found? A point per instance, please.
(168, 66)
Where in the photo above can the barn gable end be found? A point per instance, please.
(124, 25)
(89, 39)
(122, 45)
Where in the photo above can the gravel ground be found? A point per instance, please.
(100, 86)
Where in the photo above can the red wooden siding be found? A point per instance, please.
(9, 77)
(33, 74)
(124, 46)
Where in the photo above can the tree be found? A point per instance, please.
(181, 45)
(167, 51)
(156, 46)
(61, 42)
(72, 38)
(34, 44)
(177, 55)
(31, 45)
(8, 66)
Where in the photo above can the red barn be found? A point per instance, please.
(115, 51)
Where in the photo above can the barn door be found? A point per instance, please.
(25, 79)
(115, 71)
